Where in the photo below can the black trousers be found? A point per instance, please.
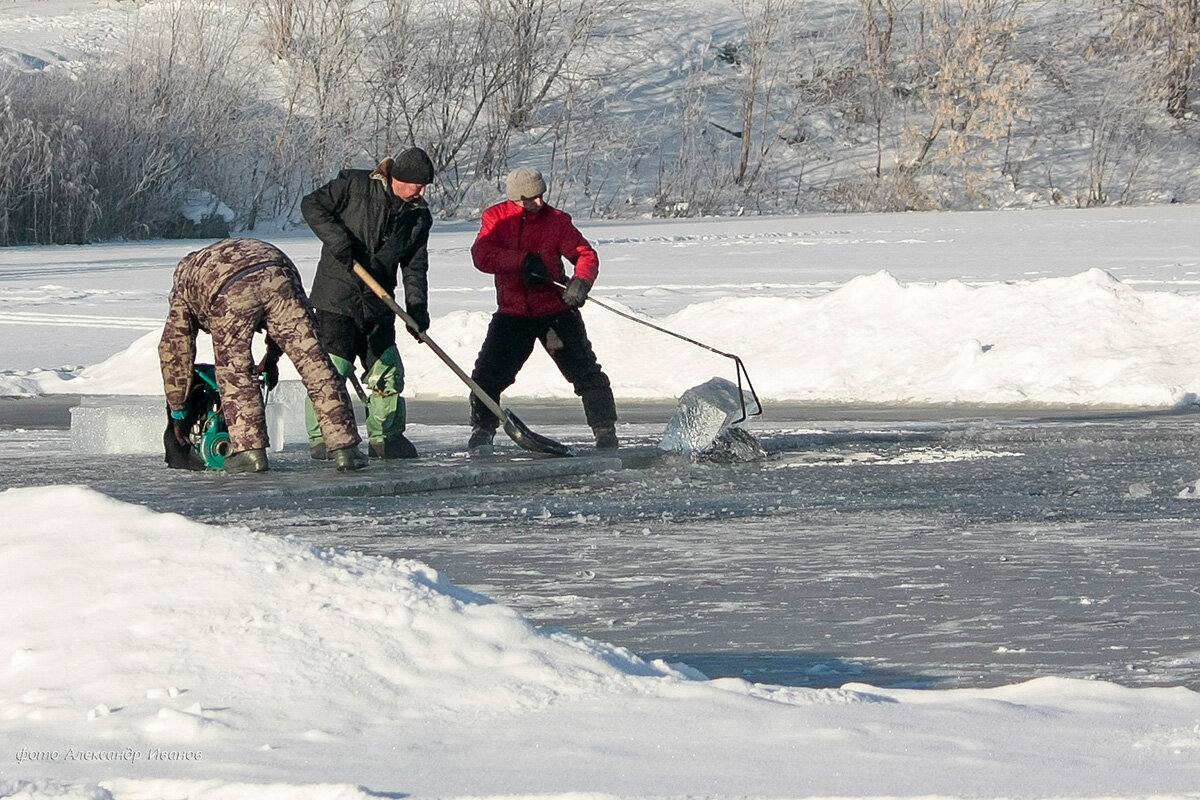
(509, 343)
(342, 336)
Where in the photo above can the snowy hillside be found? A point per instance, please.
(116, 113)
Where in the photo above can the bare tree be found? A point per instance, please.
(1182, 20)
(278, 19)
(1168, 32)
(539, 43)
(318, 44)
(968, 84)
(762, 67)
(877, 29)
(431, 81)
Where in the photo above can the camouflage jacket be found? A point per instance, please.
(199, 279)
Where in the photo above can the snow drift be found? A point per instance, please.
(184, 629)
(1088, 339)
(146, 656)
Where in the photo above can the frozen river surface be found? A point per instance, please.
(900, 549)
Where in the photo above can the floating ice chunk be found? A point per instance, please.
(703, 412)
(735, 444)
(1190, 492)
(285, 414)
(134, 424)
(121, 424)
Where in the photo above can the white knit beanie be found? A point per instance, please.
(525, 183)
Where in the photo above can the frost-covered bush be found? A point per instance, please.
(46, 194)
(630, 107)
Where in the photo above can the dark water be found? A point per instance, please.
(916, 552)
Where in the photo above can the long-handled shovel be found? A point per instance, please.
(517, 431)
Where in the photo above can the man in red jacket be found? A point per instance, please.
(522, 243)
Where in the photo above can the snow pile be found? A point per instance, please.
(144, 656)
(200, 206)
(134, 370)
(1084, 340)
(125, 625)
(1088, 339)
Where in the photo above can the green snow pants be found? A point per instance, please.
(386, 410)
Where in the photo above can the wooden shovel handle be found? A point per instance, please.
(383, 295)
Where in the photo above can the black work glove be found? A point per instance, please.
(420, 315)
(268, 368)
(534, 270)
(181, 431)
(576, 292)
(179, 453)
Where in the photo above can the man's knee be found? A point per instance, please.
(343, 366)
(386, 375)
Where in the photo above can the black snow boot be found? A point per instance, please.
(600, 410)
(606, 437)
(317, 451)
(480, 442)
(247, 461)
(397, 446)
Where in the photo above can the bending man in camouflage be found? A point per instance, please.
(232, 289)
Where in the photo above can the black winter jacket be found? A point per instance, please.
(358, 219)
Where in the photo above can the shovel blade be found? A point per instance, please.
(520, 433)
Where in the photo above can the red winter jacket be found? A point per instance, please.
(508, 234)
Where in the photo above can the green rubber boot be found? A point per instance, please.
(387, 414)
(247, 461)
(348, 459)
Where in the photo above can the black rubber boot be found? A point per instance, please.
(600, 410)
(480, 442)
(606, 437)
(317, 451)
(348, 459)
(247, 461)
(482, 417)
(397, 446)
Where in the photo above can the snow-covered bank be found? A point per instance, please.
(1088, 339)
(1088, 307)
(146, 656)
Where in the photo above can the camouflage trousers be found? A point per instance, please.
(272, 299)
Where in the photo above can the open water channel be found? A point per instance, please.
(944, 548)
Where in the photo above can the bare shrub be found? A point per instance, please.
(968, 83)
(318, 46)
(1166, 33)
(174, 112)
(45, 192)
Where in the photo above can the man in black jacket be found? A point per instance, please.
(378, 219)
